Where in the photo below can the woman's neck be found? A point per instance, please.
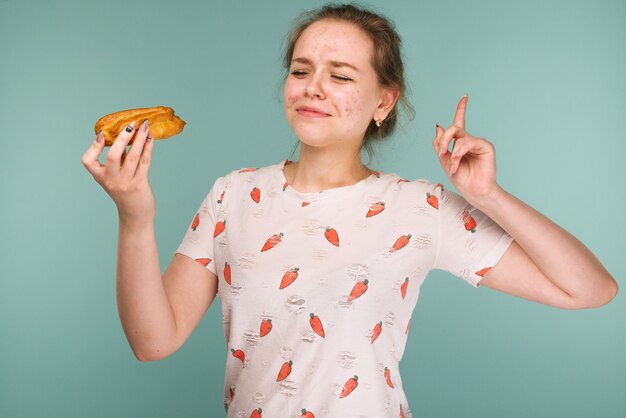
(322, 171)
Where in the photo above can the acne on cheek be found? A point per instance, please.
(351, 104)
(291, 100)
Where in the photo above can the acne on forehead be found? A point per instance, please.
(343, 35)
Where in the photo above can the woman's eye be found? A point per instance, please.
(342, 78)
(298, 72)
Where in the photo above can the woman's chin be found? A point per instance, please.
(313, 139)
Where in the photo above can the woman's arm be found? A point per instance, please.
(544, 263)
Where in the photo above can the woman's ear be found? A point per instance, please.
(388, 99)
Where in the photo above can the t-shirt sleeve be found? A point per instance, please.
(198, 242)
(469, 242)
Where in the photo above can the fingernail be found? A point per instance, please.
(99, 137)
(144, 125)
(130, 127)
(149, 137)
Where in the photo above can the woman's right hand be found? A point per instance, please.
(125, 175)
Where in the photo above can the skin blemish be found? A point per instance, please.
(351, 104)
(291, 100)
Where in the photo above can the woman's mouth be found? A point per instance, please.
(311, 112)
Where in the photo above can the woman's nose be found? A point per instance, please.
(314, 88)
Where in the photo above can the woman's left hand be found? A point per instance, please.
(471, 166)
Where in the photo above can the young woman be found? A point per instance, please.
(318, 263)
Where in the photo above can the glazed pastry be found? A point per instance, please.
(161, 120)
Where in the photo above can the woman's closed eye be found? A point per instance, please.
(302, 73)
(341, 78)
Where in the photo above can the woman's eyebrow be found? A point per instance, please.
(336, 64)
(343, 64)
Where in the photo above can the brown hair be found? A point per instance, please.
(386, 59)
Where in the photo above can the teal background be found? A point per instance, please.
(546, 86)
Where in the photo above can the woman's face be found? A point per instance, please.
(332, 91)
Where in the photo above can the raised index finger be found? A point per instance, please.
(459, 116)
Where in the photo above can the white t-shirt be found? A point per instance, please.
(317, 289)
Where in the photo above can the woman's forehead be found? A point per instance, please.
(329, 40)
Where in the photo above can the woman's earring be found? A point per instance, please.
(379, 122)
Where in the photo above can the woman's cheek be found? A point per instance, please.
(350, 104)
(290, 93)
(353, 108)
(290, 99)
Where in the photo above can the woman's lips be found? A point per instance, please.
(311, 112)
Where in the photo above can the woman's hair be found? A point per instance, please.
(386, 59)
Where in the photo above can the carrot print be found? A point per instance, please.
(272, 241)
(388, 377)
(219, 228)
(255, 194)
(245, 170)
(432, 200)
(331, 236)
(305, 204)
(401, 413)
(376, 173)
(482, 272)
(316, 324)
(375, 209)
(401, 181)
(439, 185)
(196, 222)
(227, 272)
(232, 392)
(285, 186)
(266, 327)
(221, 198)
(289, 277)
(358, 289)
(284, 371)
(349, 386)
(403, 287)
(239, 354)
(400, 242)
(203, 261)
(377, 330)
(306, 414)
(256, 413)
(470, 223)
(408, 324)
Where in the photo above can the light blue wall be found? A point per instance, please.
(546, 85)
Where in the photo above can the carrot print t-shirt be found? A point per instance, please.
(317, 289)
